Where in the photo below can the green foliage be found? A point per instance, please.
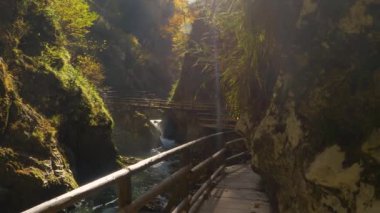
(240, 50)
(228, 34)
(74, 80)
(71, 20)
(90, 68)
(72, 16)
(173, 90)
(6, 86)
(177, 29)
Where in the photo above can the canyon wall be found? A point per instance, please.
(316, 142)
(55, 131)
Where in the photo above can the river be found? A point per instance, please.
(106, 201)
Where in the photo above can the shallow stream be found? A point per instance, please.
(107, 202)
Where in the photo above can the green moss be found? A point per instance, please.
(124, 161)
(173, 90)
(41, 94)
(39, 135)
(29, 181)
(7, 155)
(5, 87)
(29, 130)
(56, 120)
(32, 173)
(72, 80)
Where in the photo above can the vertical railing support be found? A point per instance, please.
(188, 181)
(125, 192)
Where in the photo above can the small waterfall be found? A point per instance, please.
(165, 143)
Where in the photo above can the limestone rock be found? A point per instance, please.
(316, 141)
(327, 170)
(27, 141)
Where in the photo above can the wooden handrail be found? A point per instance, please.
(166, 106)
(202, 192)
(158, 189)
(155, 100)
(160, 103)
(123, 179)
(206, 162)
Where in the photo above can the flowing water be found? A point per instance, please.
(106, 201)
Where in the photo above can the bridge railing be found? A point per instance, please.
(205, 170)
(160, 103)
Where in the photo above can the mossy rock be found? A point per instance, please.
(52, 120)
(83, 123)
(5, 98)
(134, 132)
(33, 167)
(23, 176)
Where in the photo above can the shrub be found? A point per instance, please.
(72, 16)
(90, 68)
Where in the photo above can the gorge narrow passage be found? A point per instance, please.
(141, 105)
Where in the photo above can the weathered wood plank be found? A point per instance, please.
(199, 196)
(156, 190)
(205, 185)
(245, 194)
(182, 206)
(204, 164)
(125, 191)
(240, 192)
(76, 195)
(231, 142)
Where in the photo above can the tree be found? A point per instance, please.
(179, 27)
(72, 16)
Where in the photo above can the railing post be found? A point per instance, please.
(188, 181)
(180, 193)
(125, 192)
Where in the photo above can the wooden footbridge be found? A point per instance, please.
(203, 182)
(150, 101)
(155, 103)
(205, 112)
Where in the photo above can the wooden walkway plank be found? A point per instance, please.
(239, 192)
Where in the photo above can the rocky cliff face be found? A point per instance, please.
(136, 54)
(197, 80)
(31, 160)
(317, 142)
(54, 128)
(134, 134)
(196, 83)
(303, 77)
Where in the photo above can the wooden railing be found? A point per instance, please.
(206, 112)
(162, 104)
(194, 169)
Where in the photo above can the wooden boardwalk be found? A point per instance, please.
(240, 191)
